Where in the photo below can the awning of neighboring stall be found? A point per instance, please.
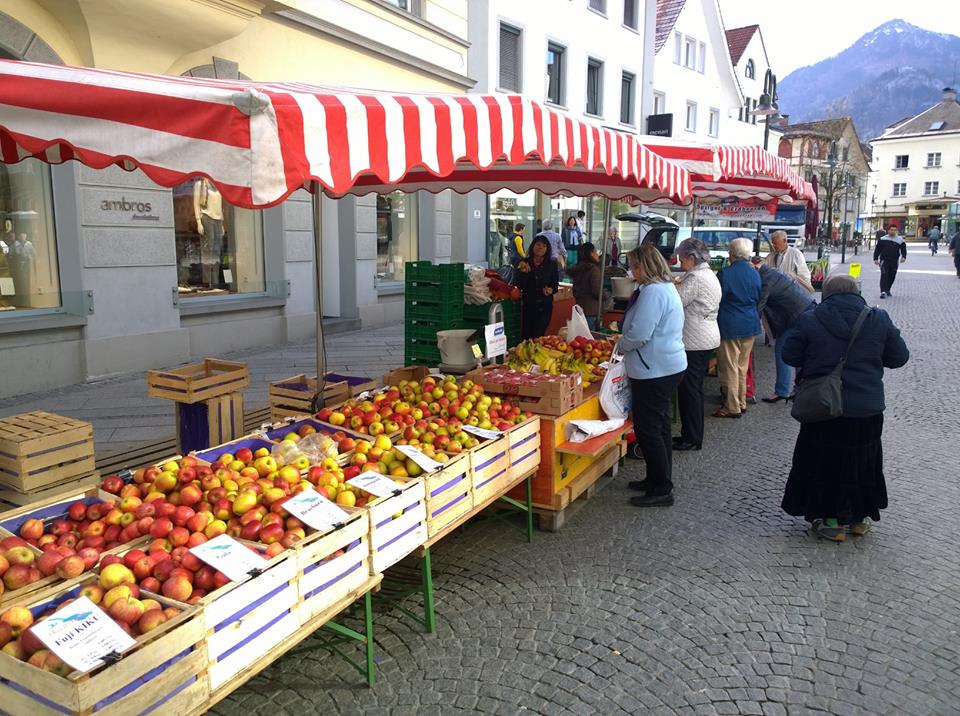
(724, 171)
(261, 141)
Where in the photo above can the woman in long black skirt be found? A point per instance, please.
(836, 481)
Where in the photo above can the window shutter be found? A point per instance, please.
(509, 59)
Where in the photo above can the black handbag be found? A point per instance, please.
(820, 399)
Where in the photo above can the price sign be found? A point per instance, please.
(6, 286)
(477, 353)
(374, 483)
(315, 510)
(496, 337)
(230, 557)
(82, 635)
(426, 463)
(481, 432)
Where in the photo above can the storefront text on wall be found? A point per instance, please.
(139, 210)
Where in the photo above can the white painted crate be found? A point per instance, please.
(393, 538)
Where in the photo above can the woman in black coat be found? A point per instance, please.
(837, 475)
(538, 276)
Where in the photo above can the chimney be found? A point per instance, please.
(949, 94)
(784, 120)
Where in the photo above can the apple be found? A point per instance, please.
(116, 574)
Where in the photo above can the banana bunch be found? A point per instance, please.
(550, 361)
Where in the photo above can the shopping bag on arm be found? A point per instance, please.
(615, 389)
(577, 326)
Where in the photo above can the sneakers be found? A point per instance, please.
(861, 528)
(822, 529)
(883, 294)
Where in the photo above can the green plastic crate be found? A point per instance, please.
(427, 272)
(446, 312)
(427, 330)
(416, 291)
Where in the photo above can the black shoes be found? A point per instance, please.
(652, 501)
(684, 445)
(640, 485)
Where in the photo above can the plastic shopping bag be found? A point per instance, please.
(615, 389)
(577, 325)
(579, 431)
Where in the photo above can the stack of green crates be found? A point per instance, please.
(434, 302)
(476, 316)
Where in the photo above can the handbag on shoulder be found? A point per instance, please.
(820, 399)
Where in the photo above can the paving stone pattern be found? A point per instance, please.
(720, 604)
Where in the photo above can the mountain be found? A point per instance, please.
(892, 72)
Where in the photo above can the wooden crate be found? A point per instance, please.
(41, 449)
(253, 441)
(413, 372)
(398, 524)
(197, 382)
(490, 469)
(333, 564)
(209, 422)
(246, 620)
(449, 494)
(292, 396)
(553, 397)
(356, 383)
(12, 498)
(524, 447)
(166, 670)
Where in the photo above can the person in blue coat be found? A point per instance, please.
(654, 358)
(837, 475)
(739, 322)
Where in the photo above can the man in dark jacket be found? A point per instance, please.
(955, 251)
(782, 301)
(890, 250)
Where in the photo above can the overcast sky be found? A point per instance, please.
(799, 34)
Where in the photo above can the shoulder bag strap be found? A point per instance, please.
(856, 331)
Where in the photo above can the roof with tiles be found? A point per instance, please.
(737, 40)
(667, 13)
(941, 118)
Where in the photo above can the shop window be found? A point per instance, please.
(509, 58)
(219, 246)
(659, 103)
(29, 274)
(396, 234)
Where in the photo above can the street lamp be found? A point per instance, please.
(767, 106)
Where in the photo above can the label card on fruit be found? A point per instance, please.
(230, 557)
(374, 483)
(82, 635)
(481, 432)
(315, 510)
(427, 464)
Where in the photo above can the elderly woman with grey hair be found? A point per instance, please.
(699, 292)
(739, 322)
(557, 252)
(836, 480)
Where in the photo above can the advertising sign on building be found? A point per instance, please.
(738, 210)
(660, 125)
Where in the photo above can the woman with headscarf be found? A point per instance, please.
(836, 480)
(538, 276)
(699, 292)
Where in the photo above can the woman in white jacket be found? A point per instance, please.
(700, 294)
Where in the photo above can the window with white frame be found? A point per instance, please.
(900, 189)
(690, 120)
(902, 161)
(753, 106)
(594, 87)
(509, 77)
(599, 5)
(414, 7)
(930, 188)
(689, 53)
(751, 70)
(702, 58)
(933, 159)
(958, 186)
(630, 16)
(659, 103)
(555, 70)
(627, 84)
(713, 127)
(677, 47)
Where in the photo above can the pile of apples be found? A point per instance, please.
(592, 351)
(380, 456)
(438, 400)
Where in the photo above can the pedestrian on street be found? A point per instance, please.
(613, 246)
(789, 259)
(739, 323)
(587, 283)
(836, 479)
(699, 292)
(782, 302)
(572, 238)
(890, 249)
(652, 346)
(933, 240)
(538, 276)
(557, 252)
(955, 251)
(515, 245)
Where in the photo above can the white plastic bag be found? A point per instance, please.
(615, 389)
(579, 431)
(577, 325)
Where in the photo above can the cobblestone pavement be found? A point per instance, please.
(719, 605)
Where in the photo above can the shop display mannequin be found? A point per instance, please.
(21, 259)
(208, 211)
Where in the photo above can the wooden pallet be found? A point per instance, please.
(197, 382)
(552, 517)
(293, 396)
(41, 449)
(168, 660)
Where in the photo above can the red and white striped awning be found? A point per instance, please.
(727, 171)
(260, 141)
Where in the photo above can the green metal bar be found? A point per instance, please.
(344, 631)
(530, 508)
(368, 624)
(426, 571)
